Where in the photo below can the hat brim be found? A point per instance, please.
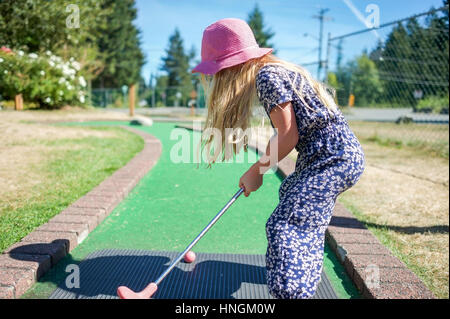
(211, 67)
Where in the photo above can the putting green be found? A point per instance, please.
(173, 203)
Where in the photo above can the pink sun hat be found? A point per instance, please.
(226, 43)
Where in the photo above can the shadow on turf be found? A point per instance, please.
(346, 222)
(99, 277)
(436, 229)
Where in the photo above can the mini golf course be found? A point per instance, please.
(170, 205)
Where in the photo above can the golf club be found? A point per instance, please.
(126, 293)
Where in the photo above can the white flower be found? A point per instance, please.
(42, 73)
(67, 71)
(82, 81)
(82, 99)
(60, 92)
(48, 100)
(33, 56)
(69, 86)
(52, 64)
(6, 71)
(1, 60)
(76, 65)
(55, 59)
(61, 80)
(20, 52)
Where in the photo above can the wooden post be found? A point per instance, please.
(351, 100)
(192, 101)
(18, 102)
(132, 98)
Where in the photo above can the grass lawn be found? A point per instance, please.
(44, 168)
(402, 196)
(431, 138)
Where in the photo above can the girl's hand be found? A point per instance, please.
(251, 180)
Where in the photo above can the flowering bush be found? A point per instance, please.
(45, 79)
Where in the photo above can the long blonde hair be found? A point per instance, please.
(230, 98)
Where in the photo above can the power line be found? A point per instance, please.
(322, 18)
(391, 23)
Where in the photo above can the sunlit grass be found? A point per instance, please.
(56, 172)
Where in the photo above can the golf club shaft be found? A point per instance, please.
(204, 231)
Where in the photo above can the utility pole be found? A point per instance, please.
(153, 86)
(327, 61)
(322, 18)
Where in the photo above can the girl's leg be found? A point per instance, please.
(296, 235)
(287, 184)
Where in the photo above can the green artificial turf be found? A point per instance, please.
(174, 202)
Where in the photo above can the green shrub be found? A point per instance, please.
(44, 79)
(433, 104)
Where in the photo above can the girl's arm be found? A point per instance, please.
(283, 118)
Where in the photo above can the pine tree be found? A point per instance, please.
(176, 64)
(119, 44)
(394, 67)
(256, 22)
(436, 73)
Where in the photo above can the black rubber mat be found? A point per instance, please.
(211, 276)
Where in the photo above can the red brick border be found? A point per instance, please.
(23, 263)
(373, 269)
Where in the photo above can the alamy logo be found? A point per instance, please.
(372, 276)
(73, 279)
(373, 19)
(73, 20)
(186, 145)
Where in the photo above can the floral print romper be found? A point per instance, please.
(330, 161)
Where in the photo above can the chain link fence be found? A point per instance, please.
(176, 96)
(109, 98)
(392, 82)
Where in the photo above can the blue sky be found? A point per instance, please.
(289, 19)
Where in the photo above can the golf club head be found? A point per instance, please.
(126, 293)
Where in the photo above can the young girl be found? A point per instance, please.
(306, 118)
